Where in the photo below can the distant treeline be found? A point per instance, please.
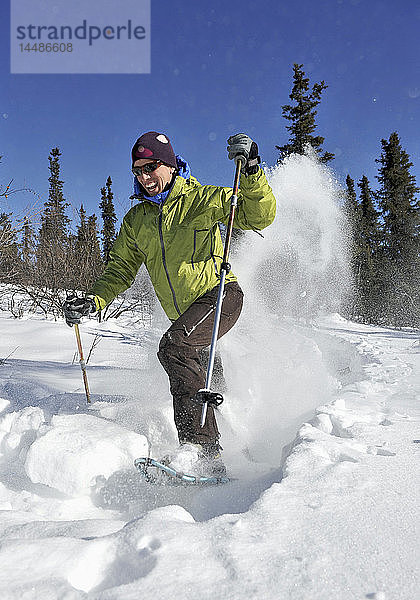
(384, 227)
(53, 257)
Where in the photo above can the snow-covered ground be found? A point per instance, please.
(325, 513)
(320, 429)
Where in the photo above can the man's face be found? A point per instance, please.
(156, 181)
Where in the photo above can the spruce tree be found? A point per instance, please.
(369, 246)
(53, 240)
(9, 254)
(351, 206)
(353, 214)
(81, 237)
(302, 114)
(369, 215)
(27, 252)
(78, 253)
(94, 249)
(87, 254)
(93, 262)
(109, 219)
(400, 248)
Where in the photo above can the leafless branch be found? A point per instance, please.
(3, 360)
(95, 342)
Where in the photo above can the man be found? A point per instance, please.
(174, 230)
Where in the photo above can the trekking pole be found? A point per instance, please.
(82, 362)
(205, 396)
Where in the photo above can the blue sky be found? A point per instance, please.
(218, 68)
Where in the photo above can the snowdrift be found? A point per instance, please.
(319, 425)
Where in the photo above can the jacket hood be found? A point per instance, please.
(184, 171)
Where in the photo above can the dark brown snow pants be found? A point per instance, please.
(179, 354)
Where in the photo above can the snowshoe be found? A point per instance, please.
(192, 464)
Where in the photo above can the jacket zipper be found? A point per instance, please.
(213, 257)
(195, 241)
(162, 245)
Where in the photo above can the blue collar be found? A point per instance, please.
(183, 170)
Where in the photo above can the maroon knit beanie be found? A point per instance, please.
(154, 145)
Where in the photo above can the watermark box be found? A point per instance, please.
(80, 36)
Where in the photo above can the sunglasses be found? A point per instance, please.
(147, 168)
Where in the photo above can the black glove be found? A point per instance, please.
(75, 308)
(241, 146)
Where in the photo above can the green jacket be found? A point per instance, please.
(180, 241)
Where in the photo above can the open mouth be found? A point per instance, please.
(151, 187)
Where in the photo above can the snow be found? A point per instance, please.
(337, 517)
(320, 429)
(85, 447)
